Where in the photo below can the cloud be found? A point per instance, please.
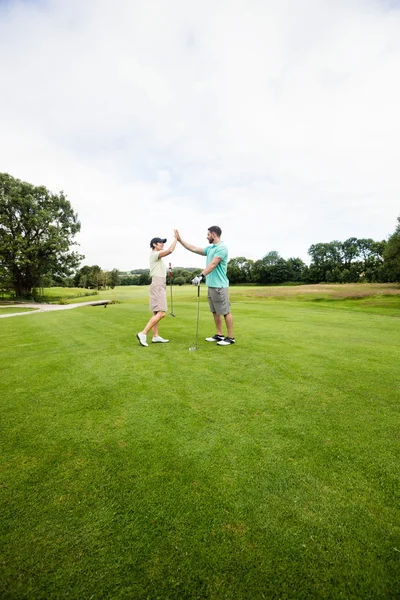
(279, 123)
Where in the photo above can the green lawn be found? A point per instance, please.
(268, 469)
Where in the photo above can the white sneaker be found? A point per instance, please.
(142, 339)
(215, 338)
(226, 342)
(159, 340)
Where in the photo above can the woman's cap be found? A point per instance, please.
(156, 241)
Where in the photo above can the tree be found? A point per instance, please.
(187, 276)
(272, 269)
(349, 251)
(5, 280)
(239, 270)
(391, 255)
(129, 280)
(180, 280)
(371, 259)
(96, 277)
(144, 278)
(295, 269)
(114, 279)
(81, 277)
(37, 229)
(346, 262)
(326, 261)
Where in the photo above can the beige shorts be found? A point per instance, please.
(218, 300)
(158, 295)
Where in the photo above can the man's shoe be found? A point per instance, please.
(215, 338)
(226, 342)
(159, 340)
(142, 339)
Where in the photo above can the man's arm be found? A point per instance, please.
(211, 266)
(189, 246)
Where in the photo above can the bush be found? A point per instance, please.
(179, 281)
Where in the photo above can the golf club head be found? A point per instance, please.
(192, 349)
(172, 314)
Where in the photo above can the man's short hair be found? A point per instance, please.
(215, 229)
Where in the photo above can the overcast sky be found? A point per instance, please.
(277, 121)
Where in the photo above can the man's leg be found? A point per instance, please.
(218, 323)
(229, 324)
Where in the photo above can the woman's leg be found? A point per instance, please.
(157, 316)
(158, 298)
(155, 327)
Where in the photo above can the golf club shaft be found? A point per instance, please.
(198, 312)
(170, 285)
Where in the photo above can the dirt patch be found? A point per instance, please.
(47, 307)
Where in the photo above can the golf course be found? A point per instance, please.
(268, 469)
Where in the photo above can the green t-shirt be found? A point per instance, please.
(217, 278)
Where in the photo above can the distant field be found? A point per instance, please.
(347, 290)
(319, 291)
(269, 469)
(374, 298)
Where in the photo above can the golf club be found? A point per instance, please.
(197, 322)
(170, 285)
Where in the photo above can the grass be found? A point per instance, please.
(268, 469)
(55, 294)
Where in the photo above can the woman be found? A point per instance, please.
(158, 294)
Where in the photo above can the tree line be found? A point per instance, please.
(37, 236)
(352, 261)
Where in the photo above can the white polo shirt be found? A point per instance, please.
(157, 266)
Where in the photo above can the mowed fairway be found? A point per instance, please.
(268, 469)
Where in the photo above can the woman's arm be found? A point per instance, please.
(168, 250)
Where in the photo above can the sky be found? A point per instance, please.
(277, 121)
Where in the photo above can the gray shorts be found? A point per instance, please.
(158, 295)
(218, 300)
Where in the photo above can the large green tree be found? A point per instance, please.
(392, 255)
(345, 262)
(271, 269)
(326, 261)
(295, 268)
(239, 270)
(37, 229)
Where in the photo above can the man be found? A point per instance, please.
(158, 295)
(217, 282)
